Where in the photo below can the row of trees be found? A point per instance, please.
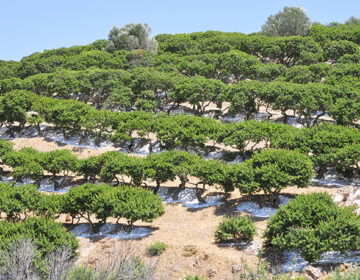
(331, 43)
(268, 171)
(153, 91)
(182, 132)
(101, 201)
(216, 66)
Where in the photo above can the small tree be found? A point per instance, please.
(313, 224)
(289, 22)
(131, 37)
(58, 161)
(353, 20)
(272, 170)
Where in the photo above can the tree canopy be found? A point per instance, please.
(290, 21)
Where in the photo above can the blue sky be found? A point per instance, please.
(28, 26)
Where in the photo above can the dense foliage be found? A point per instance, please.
(235, 229)
(313, 224)
(289, 22)
(103, 201)
(47, 235)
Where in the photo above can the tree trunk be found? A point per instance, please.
(180, 188)
(156, 190)
(198, 195)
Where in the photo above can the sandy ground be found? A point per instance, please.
(179, 228)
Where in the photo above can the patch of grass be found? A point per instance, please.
(156, 248)
(195, 277)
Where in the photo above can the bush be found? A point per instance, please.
(18, 201)
(313, 224)
(123, 264)
(262, 271)
(156, 248)
(20, 260)
(79, 201)
(235, 229)
(47, 235)
(136, 204)
(272, 170)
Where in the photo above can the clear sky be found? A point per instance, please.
(28, 26)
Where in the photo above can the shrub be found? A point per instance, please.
(78, 202)
(47, 235)
(20, 260)
(156, 248)
(136, 204)
(262, 271)
(313, 224)
(272, 170)
(50, 205)
(16, 201)
(123, 264)
(235, 229)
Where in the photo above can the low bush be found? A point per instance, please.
(133, 204)
(272, 170)
(313, 224)
(46, 234)
(156, 248)
(18, 201)
(235, 229)
(20, 260)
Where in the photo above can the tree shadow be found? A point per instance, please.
(117, 232)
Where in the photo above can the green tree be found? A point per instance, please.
(353, 20)
(131, 37)
(289, 22)
(313, 224)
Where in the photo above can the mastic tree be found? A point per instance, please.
(58, 161)
(135, 204)
(336, 49)
(187, 132)
(239, 64)
(18, 201)
(78, 202)
(242, 97)
(325, 140)
(14, 106)
(47, 235)
(313, 224)
(272, 170)
(288, 22)
(25, 163)
(347, 160)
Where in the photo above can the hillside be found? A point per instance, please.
(170, 143)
